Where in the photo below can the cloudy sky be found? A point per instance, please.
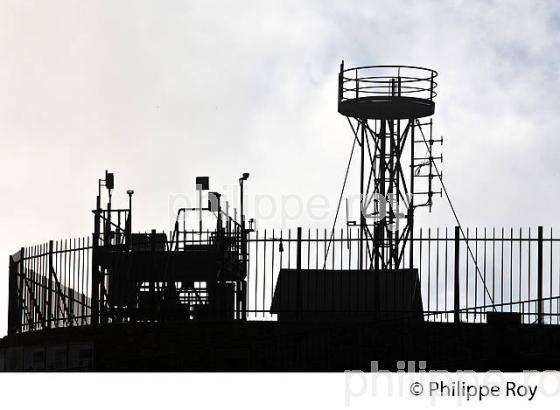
(160, 92)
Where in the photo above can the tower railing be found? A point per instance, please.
(386, 81)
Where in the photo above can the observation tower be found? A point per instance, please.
(388, 108)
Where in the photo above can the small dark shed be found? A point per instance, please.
(328, 295)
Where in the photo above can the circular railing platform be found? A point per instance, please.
(386, 92)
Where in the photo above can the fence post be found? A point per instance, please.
(22, 282)
(95, 282)
(298, 268)
(540, 276)
(456, 301)
(49, 286)
(14, 311)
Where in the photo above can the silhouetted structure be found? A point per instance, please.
(387, 103)
(347, 295)
(227, 298)
(138, 277)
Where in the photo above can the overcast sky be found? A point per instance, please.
(160, 92)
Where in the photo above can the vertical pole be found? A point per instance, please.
(107, 236)
(177, 237)
(380, 247)
(104, 274)
(411, 199)
(362, 210)
(49, 286)
(22, 279)
(298, 268)
(394, 191)
(152, 289)
(540, 276)
(244, 258)
(456, 301)
(340, 81)
(243, 231)
(200, 210)
(153, 257)
(129, 222)
(95, 266)
(14, 311)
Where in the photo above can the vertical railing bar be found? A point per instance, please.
(511, 260)
(550, 281)
(467, 275)
(502, 273)
(69, 280)
(84, 282)
(429, 261)
(341, 248)
(264, 273)
(484, 272)
(299, 301)
(558, 294)
(256, 296)
(38, 276)
(250, 246)
(88, 267)
(521, 269)
(273, 251)
(437, 270)
(420, 268)
(40, 261)
(35, 287)
(289, 247)
(21, 287)
(54, 267)
(494, 264)
(24, 316)
(77, 292)
(31, 285)
(45, 274)
(29, 277)
(324, 292)
(540, 284)
(529, 271)
(333, 255)
(317, 248)
(446, 277)
(456, 283)
(65, 280)
(27, 270)
(73, 286)
(45, 283)
(349, 236)
(324, 244)
(476, 278)
(38, 285)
